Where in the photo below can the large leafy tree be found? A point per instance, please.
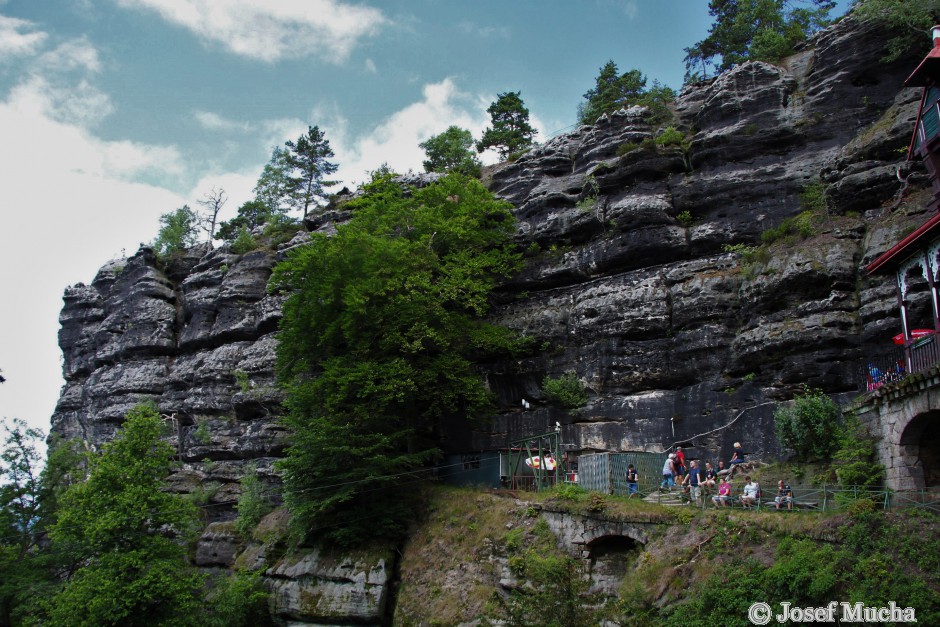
(613, 91)
(130, 535)
(451, 152)
(377, 343)
(510, 130)
(309, 159)
(810, 425)
(761, 30)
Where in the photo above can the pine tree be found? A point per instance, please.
(510, 130)
(308, 158)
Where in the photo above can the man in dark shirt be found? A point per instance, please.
(694, 480)
(632, 479)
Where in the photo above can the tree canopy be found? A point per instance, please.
(451, 152)
(613, 91)
(760, 30)
(910, 19)
(130, 535)
(178, 230)
(510, 130)
(376, 344)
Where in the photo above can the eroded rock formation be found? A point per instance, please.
(635, 281)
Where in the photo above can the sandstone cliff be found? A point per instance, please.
(628, 283)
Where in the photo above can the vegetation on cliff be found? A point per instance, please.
(698, 567)
(376, 347)
(112, 549)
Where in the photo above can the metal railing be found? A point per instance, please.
(823, 499)
(892, 366)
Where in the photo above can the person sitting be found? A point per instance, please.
(710, 476)
(723, 498)
(784, 495)
(738, 456)
(751, 493)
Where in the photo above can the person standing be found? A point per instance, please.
(669, 473)
(694, 479)
(680, 465)
(632, 481)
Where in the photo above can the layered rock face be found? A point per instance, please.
(635, 281)
(633, 287)
(629, 282)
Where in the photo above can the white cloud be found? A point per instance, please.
(275, 29)
(631, 9)
(81, 103)
(370, 66)
(499, 32)
(77, 54)
(395, 140)
(14, 42)
(215, 122)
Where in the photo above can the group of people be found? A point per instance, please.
(701, 481)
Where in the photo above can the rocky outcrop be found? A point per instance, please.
(646, 276)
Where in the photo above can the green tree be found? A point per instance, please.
(251, 214)
(510, 130)
(451, 152)
(273, 188)
(28, 497)
(760, 30)
(20, 463)
(376, 344)
(910, 19)
(613, 91)
(308, 158)
(251, 505)
(179, 230)
(810, 425)
(131, 536)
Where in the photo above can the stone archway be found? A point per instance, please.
(609, 559)
(919, 447)
(904, 419)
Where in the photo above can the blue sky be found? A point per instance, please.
(113, 112)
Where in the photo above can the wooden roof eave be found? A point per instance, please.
(901, 251)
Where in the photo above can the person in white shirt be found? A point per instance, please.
(751, 492)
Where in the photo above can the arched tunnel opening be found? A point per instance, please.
(920, 447)
(610, 558)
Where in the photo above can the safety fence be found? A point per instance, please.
(816, 499)
(607, 472)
